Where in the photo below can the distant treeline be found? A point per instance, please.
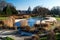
(55, 11)
(7, 9)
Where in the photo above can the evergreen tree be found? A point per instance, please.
(29, 10)
(9, 10)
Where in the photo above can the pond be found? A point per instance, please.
(31, 22)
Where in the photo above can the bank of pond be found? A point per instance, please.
(26, 24)
(31, 23)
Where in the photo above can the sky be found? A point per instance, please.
(24, 4)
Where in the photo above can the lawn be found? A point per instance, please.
(3, 18)
(57, 37)
(58, 18)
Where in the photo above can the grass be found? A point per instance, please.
(57, 37)
(44, 38)
(58, 18)
(7, 38)
(3, 18)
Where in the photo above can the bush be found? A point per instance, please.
(7, 38)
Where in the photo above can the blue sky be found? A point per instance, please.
(24, 4)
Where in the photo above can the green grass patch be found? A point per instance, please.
(3, 18)
(7, 38)
(57, 37)
(44, 38)
(58, 18)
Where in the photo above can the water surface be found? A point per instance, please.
(31, 22)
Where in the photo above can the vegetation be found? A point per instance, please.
(7, 38)
(55, 11)
(57, 37)
(41, 11)
(58, 18)
(7, 9)
(29, 10)
(3, 18)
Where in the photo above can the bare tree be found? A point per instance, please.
(41, 11)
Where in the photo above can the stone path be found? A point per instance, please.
(9, 34)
